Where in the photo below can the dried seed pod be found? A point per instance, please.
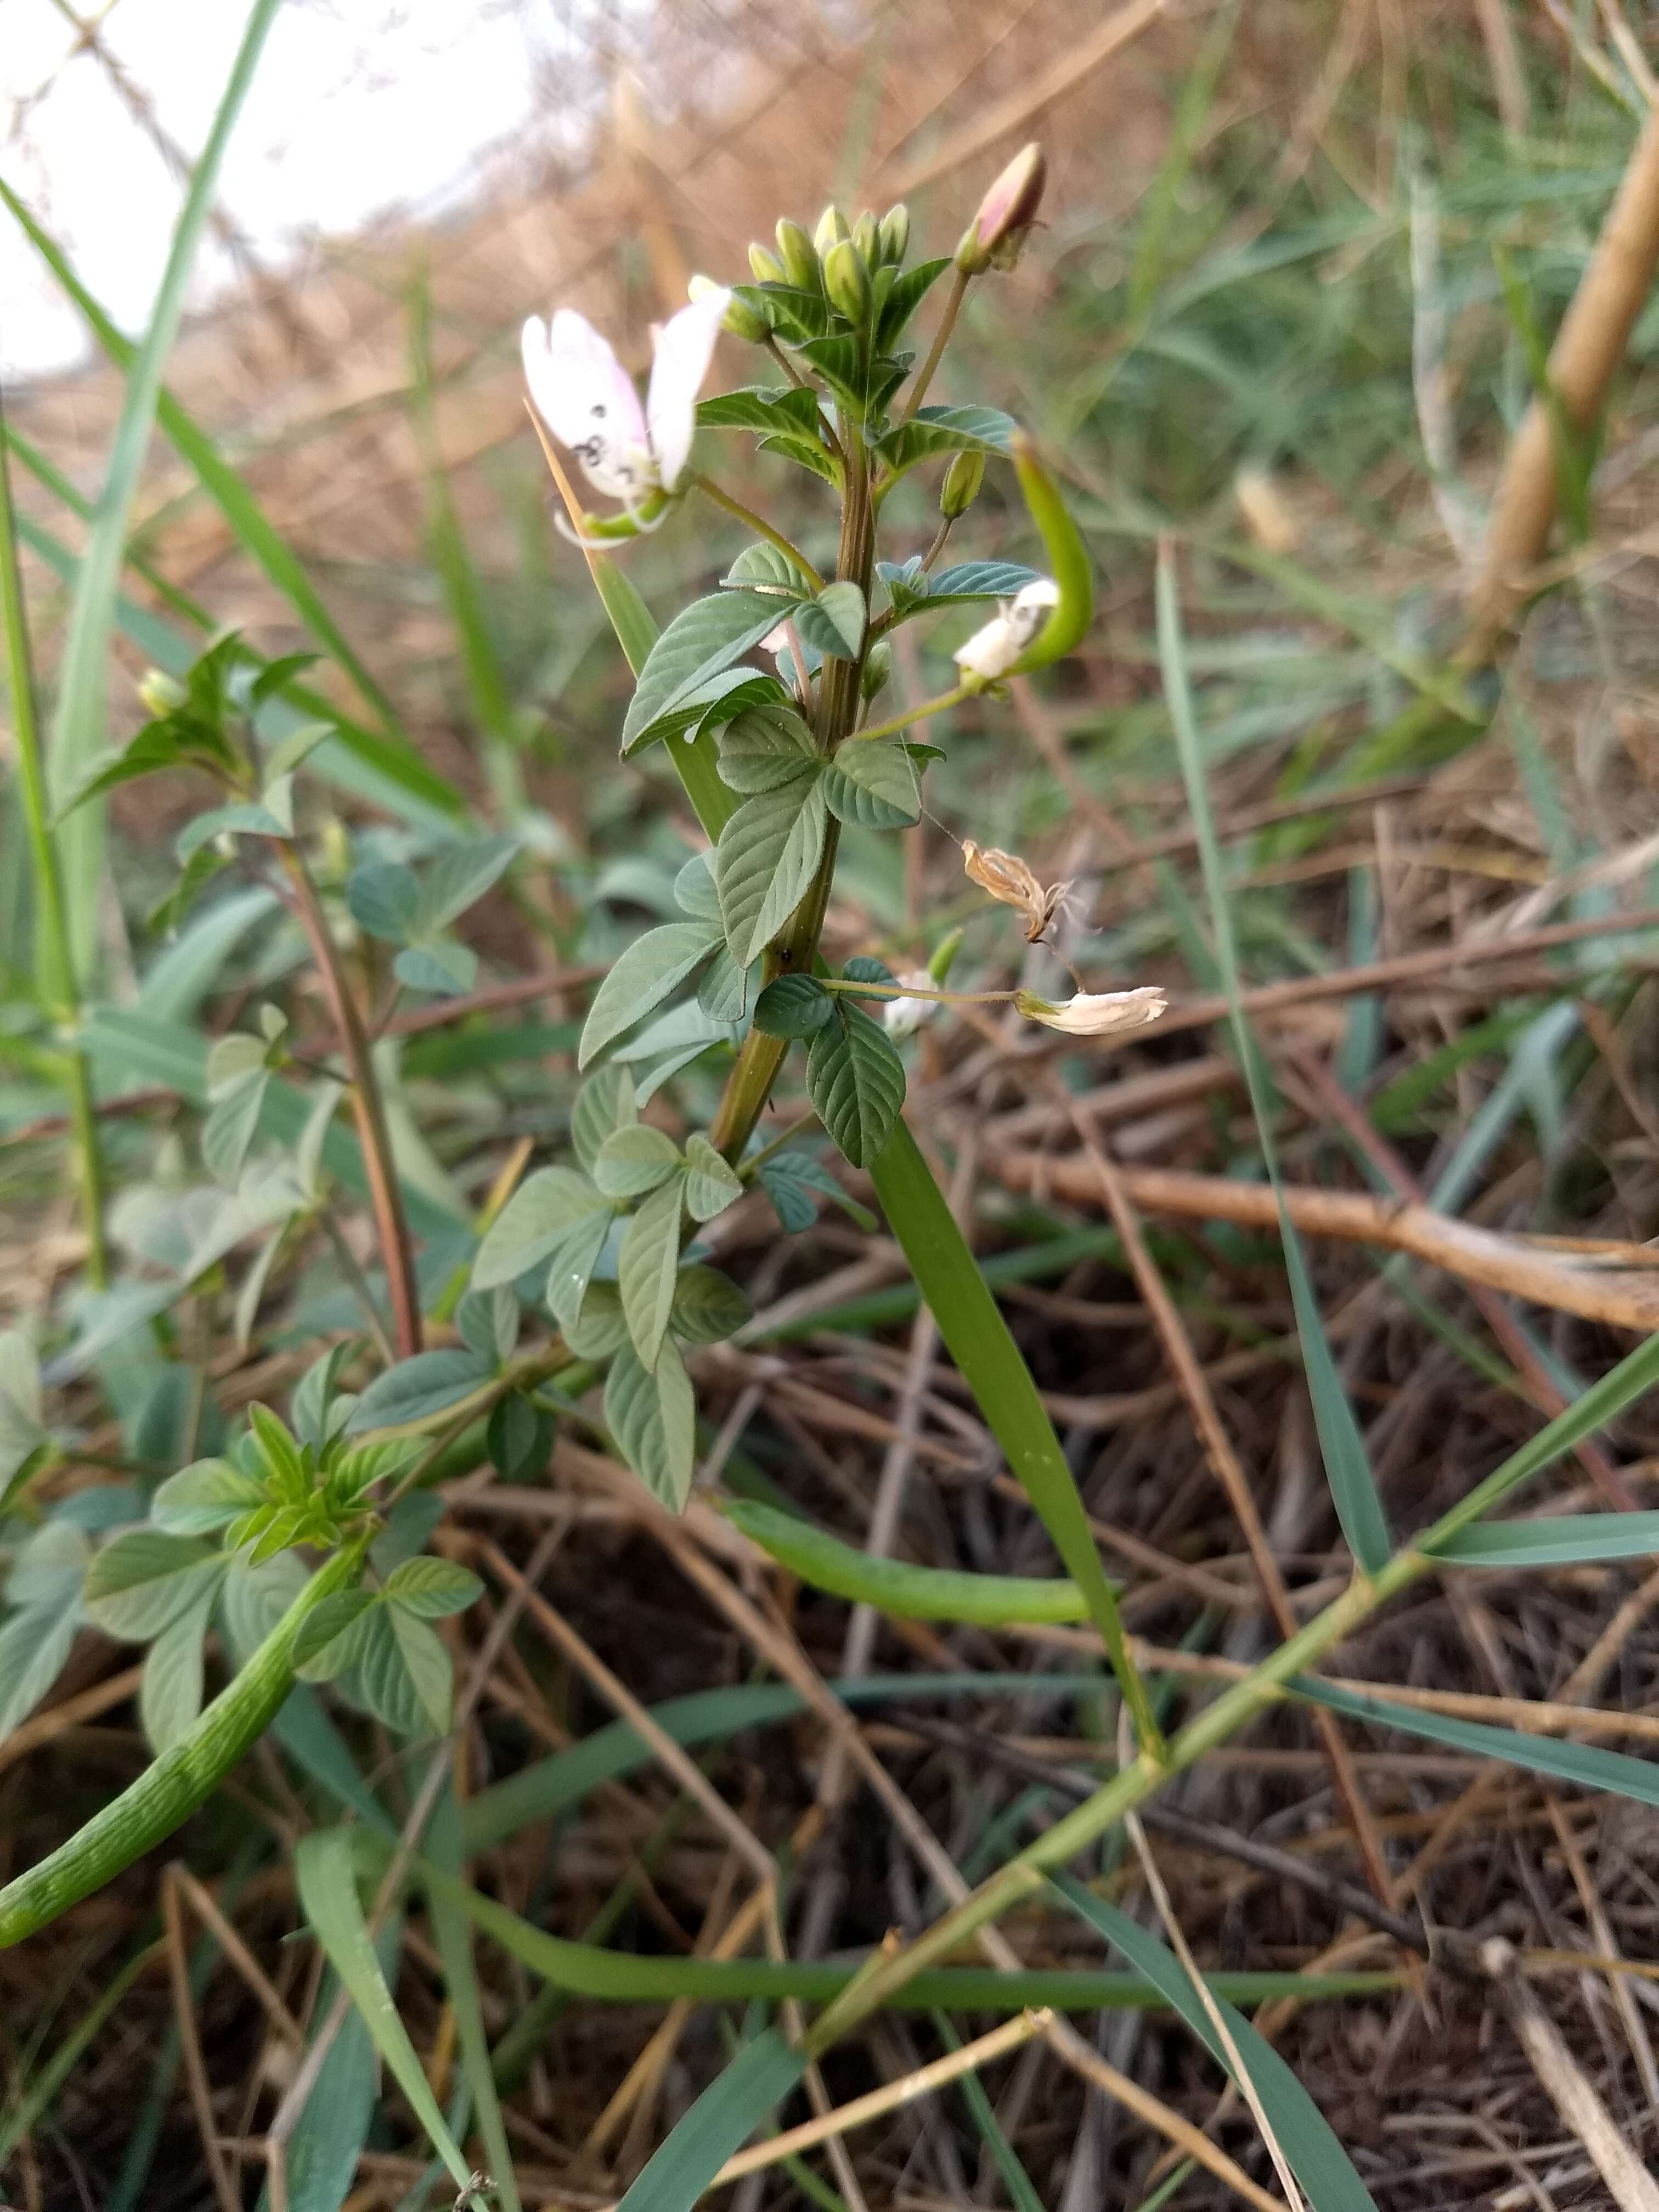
(1011, 883)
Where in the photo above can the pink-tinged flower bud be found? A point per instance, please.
(846, 280)
(799, 256)
(1007, 211)
(766, 267)
(1094, 1013)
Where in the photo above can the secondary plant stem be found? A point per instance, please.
(959, 284)
(57, 962)
(760, 526)
(936, 706)
(385, 1193)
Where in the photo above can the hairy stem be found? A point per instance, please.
(385, 1193)
(56, 961)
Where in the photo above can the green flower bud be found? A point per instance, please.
(961, 487)
(766, 267)
(894, 234)
(832, 228)
(877, 667)
(994, 237)
(866, 239)
(161, 694)
(799, 256)
(846, 280)
(742, 322)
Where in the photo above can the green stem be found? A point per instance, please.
(936, 705)
(759, 525)
(386, 1192)
(941, 339)
(58, 964)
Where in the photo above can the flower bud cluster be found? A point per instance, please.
(840, 258)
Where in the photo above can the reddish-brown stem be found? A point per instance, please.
(386, 1196)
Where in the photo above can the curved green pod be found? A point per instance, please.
(1068, 561)
(169, 1789)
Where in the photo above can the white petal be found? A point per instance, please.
(991, 649)
(580, 390)
(685, 347)
(1095, 1013)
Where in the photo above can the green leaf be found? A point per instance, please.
(518, 1435)
(253, 1600)
(933, 430)
(708, 1306)
(21, 1434)
(334, 1635)
(766, 568)
(233, 1119)
(711, 1184)
(694, 891)
(384, 897)
(317, 1411)
(432, 1588)
(634, 1160)
(913, 590)
(380, 1681)
(542, 1211)
(872, 786)
(791, 412)
(142, 1582)
(416, 1388)
(1576, 1541)
(426, 1661)
(706, 637)
(572, 1266)
(444, 968)
(603, 1103)
(910, 288)
(487, 1322)
(327, 1884)
(248, 821)
(1316, 2157)
(653, 1419)
(726, 988)
(1354, 1490)
(203, 1498)
(650, 968)
(646, 1269)
(84, 662)
(763, 748)
(738, 2102)
(768, 853)
(833, 622)
(789, 1176)
(895, 1587)
(49, 1567)
(856, 1081)
(1583, 1764)
(34, 1646)
(297, 747)
(170, 1696)
(599, 1325)
(458, 877)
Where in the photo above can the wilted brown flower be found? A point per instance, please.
(1010, 881)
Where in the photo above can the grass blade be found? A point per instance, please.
(1016, 2180)
(1576, 1541)
(1583, 1763)
(327, 1882)
(1320, 2163)
(394, 753)
(1353, 1492)
(720, 2122)
(443, 1842)
(79, 725)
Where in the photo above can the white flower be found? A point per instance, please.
(992, 650)
(1095, 1013)
(587, 400)
(902, 1017)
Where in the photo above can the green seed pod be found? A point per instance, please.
(944, 958)
(846, 280)
(799, 256)
(894, 234)
(961, 487)
(866, 239)
(767, 267)
(877, 667)
(832, 228)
